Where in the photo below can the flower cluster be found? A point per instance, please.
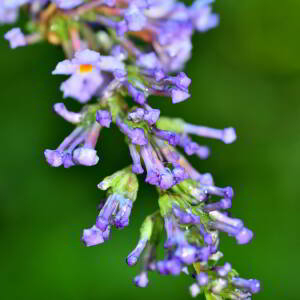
(118, 54)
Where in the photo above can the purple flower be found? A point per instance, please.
(67, 154)
(185, 217)
(226, 135)
(92, 236)
(222, 204)
(133, 257)
(171, 266)
(202, 279)
(181, 81)
(136, 167)
(241, 234)
(151, 115)
(104, 118)
(191, 147)
(85, 61)
(16, 38)
(207, 237)
(178, 95)
(87, 155)
(252, 285)
(86, 78)
(82, 87)
(138, 96)
(171, 137)
(157, 174)
(179, 174)
(122, 217)
(141, 280)
(85, 69)
(224, 270)
(137, 135)
(116, 211)
(220, 217)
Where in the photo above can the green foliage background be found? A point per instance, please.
(246, 73)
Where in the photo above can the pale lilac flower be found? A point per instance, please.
(141, 280)
(69, 116)
(92, 236)
(16, 38)
(252, 285)
(68, 153)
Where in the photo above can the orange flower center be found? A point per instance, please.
(85, 68)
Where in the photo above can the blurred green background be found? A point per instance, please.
(246, 74)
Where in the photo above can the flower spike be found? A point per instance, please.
(122, 56)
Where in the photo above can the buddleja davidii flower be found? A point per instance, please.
(122, 188)
(89, 73)
(78, 148)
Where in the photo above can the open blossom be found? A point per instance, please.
(86, 76)
(114, 77)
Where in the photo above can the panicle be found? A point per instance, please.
(120, 55)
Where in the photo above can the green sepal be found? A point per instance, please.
(89, 16)
(32, 27)
(123, 182)
(152, 228)
(116, 106)
(175, 125)
(165, 204)
(59, 25)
